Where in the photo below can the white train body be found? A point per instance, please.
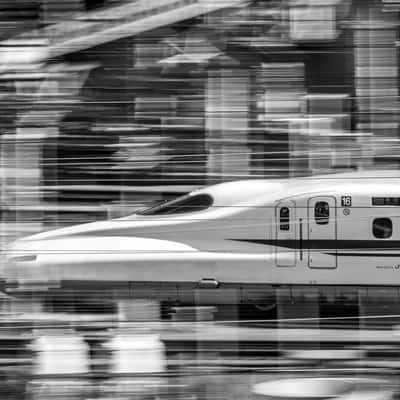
(341, 230)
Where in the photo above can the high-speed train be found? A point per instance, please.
(332, 230)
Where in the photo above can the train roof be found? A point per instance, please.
(260, 190)
(364, 175)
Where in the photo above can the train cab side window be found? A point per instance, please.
(321, 213)
(382, 228)
(181, 205)
(284, 219)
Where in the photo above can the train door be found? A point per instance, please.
(322, 232)
(285, 251)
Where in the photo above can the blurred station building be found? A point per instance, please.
(107, 102)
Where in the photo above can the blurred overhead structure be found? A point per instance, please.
(55, 136)
(117, 94)
(94, 28)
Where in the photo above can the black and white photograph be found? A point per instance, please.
(199, 199)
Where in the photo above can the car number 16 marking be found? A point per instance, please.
(346, 201)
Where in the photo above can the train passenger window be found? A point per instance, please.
(386, 201)
(185, 204)
(382, 228)
(284, 219)
(321, 212)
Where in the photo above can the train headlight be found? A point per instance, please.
(25, 258)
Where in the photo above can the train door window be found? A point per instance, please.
(321, 213)
(382, 228)
(284, 219)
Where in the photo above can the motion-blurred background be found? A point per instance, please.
(109, 104)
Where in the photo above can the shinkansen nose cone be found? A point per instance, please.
(100, 228)
(90, 258)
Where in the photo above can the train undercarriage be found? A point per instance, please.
(228, 301)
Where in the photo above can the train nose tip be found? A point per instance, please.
(87, 258)
(20, 250)
(18, 261)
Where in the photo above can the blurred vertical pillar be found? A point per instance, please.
(330, 144)
(137, 362)
(209, 351)
(299, 162)
(227, 122)
(280, 89)
(20, 152)
(135, 353)
(137, 310)
(104, 116)
(321, 140)
(298, 308)
(376, 304)
(7, 223)
(59, 353)
(376, 78)
(29, 137)
(37, 126)
(60, 366)
(297, 304)
(63, 83)
(55, 11)
(7, 126)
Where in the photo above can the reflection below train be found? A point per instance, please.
(113, 359)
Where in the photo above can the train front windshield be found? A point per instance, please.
(186, 204)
